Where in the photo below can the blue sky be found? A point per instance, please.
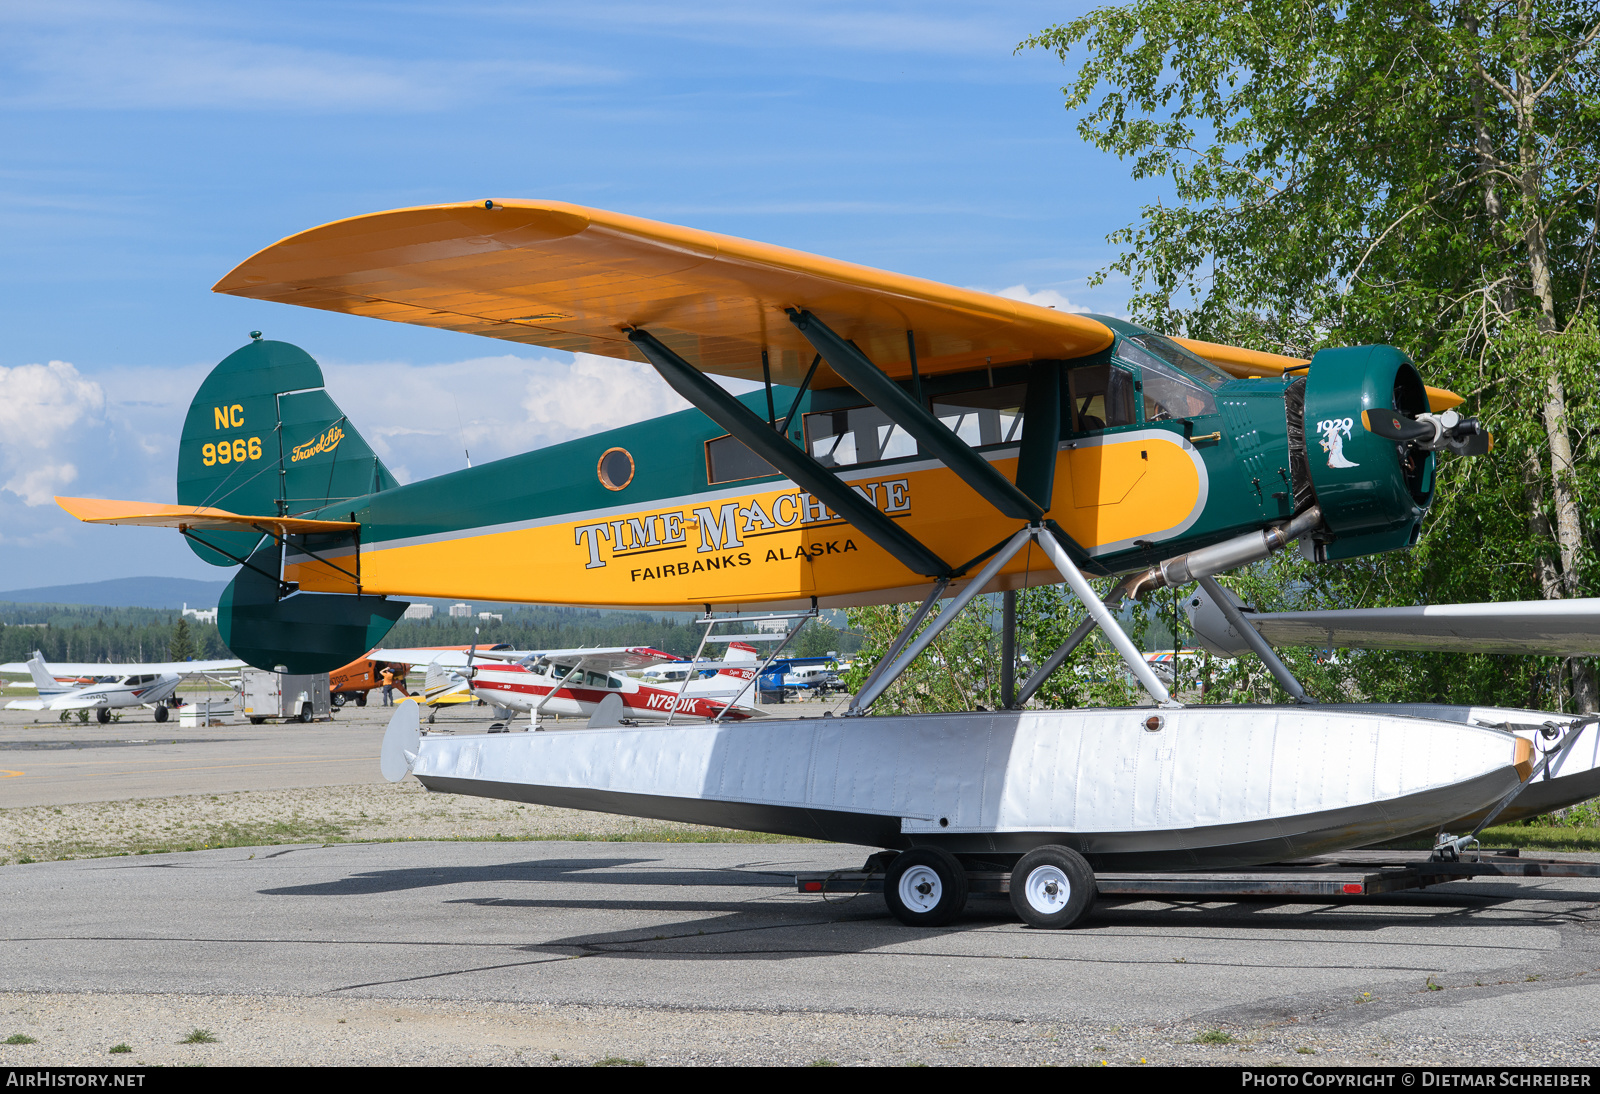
(149, 147)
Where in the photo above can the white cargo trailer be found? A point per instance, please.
(264, 695)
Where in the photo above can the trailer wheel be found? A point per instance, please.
(257, 721)
(305, 712)
(1052, 887)
(102, 715)
(161, 713)
(925, 887)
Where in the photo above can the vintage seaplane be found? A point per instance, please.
(910, 442)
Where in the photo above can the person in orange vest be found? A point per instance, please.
(388, 685)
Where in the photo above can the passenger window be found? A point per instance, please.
(729, 460)
(1102, 397)
(984, 416)
(862, 434)
(613, 683)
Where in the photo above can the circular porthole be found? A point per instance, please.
(616, 468)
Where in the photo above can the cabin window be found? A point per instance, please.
(1102, 398)
(985, 416)
(861, 434)
(595, 679)
(729, 460)
(1171, 392)
(615, 468)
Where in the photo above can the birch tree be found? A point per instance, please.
(1413, 172)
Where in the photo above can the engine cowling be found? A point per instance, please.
(1373, 492)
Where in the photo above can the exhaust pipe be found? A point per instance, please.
(1239, 551)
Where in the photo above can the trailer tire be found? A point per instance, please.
(305, 712)
(925, 887)
(1052, 887)
(257, 721)
(161, 713)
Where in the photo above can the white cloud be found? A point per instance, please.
(1045, 298)
(49, 415)
(420, 418)
(140, 56)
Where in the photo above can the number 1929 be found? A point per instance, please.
(237, 451)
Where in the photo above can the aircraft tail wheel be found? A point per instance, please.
(361, 698)
(161, 713)
(925, 887)
(1052, 887)
(102, 715)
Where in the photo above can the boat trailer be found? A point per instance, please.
(1348, 875)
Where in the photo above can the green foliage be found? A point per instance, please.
(1386, 171)
(181, 648)
(198, 1036)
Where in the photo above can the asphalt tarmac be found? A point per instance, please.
(45, 761)
(720, 927)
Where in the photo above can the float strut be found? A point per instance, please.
(1269, 656)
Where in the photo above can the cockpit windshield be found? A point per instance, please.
(1159, 345)
(1171, 392)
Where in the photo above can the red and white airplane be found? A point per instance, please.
(583, 681)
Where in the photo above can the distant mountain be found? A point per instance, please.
(125, 592)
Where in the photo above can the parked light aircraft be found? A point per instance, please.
(112, 687)
(911, 441)
(577, 681)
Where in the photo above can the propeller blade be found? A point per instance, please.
(1392, 425)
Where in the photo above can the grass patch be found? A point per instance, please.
(1213, 1037)
(618, 1061)
(21, 1039)
(1525, 837)
(198, 1036)
(123, 1047)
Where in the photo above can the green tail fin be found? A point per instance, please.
(262, 437)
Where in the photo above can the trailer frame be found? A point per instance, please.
(1348, 875)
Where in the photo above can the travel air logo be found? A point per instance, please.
(325, 443)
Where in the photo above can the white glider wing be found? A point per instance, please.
(97, 668)
(595, 658)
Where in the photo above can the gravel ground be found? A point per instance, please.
(80, 1030)
(341, 814)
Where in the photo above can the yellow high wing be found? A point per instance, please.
(563, 276)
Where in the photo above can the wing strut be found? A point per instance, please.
(777, 450)
(934, 437)
(1099, 613)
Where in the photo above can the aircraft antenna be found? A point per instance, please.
(461, 429)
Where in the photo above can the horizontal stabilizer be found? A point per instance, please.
(194, 517)
(1551, 628)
